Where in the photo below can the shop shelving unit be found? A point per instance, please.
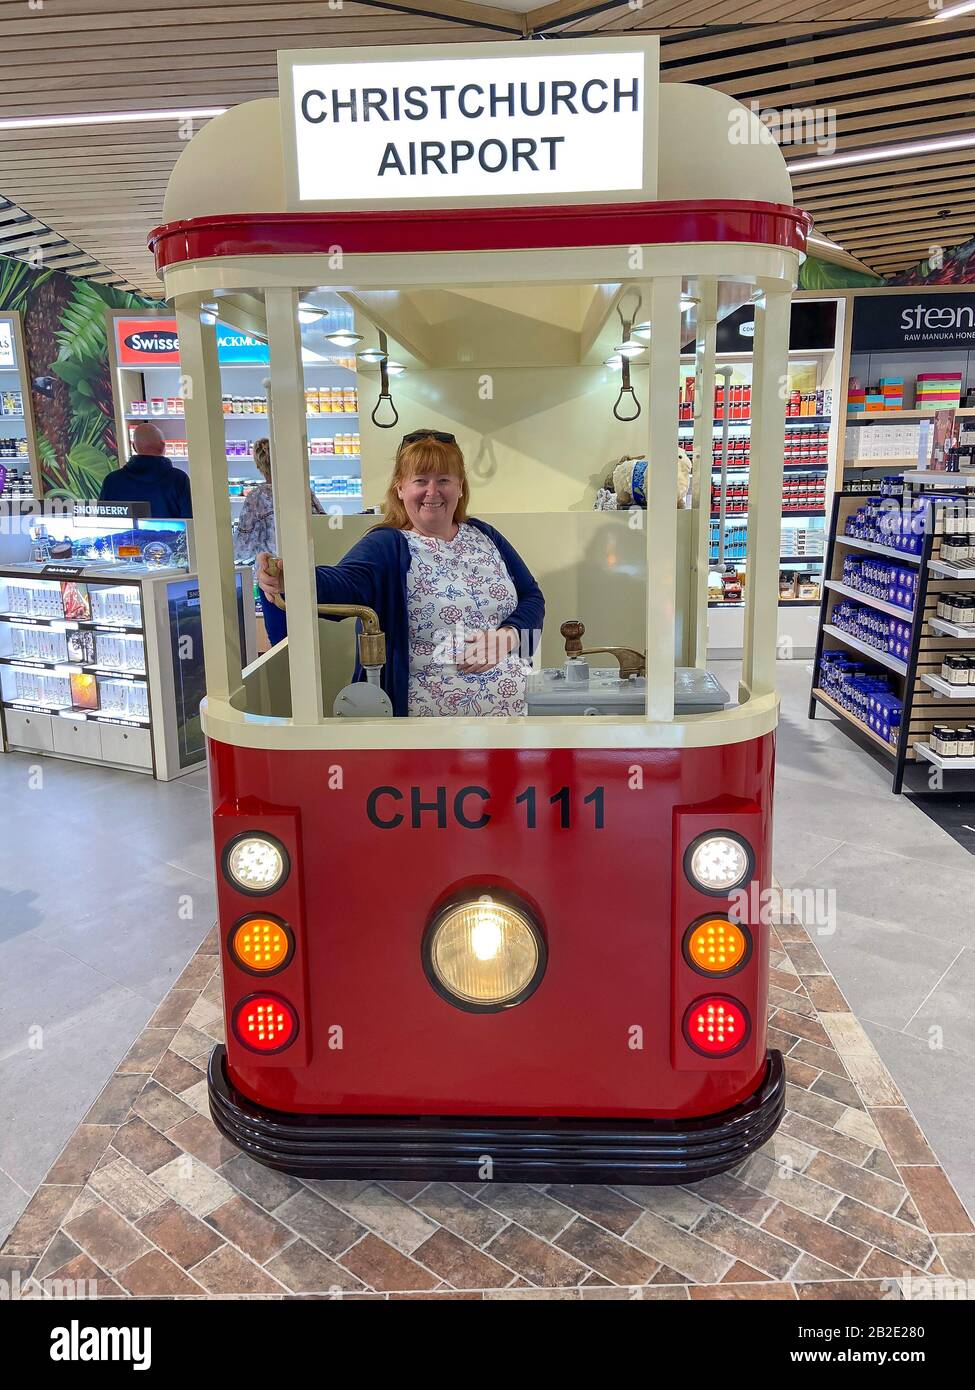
(872, 419)
(876, 346)
(324, 366)
(19, 456)
(736, 472)
(811, 368)
(926, 699)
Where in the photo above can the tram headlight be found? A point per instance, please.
(255, 862)
(483, 954)
(718, 862)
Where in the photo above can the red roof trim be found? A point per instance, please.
(419, 230)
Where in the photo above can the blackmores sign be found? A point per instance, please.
(492, 122)
(903, 322)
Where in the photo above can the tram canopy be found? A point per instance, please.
(429, 183)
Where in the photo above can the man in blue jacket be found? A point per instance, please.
(150, 477)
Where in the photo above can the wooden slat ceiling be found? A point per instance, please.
(22, 236)
(884, 70)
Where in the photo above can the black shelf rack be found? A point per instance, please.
(923, 706)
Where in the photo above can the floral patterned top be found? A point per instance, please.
(455, 589)
(255, 528)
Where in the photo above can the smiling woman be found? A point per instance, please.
(461, 610)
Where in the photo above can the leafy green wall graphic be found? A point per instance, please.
(815, 274)
(70, 378)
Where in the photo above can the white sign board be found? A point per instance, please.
(504, 122)
(7, 356)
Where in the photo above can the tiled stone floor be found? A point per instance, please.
(148, 1200)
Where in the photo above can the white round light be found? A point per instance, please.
(373, 354)
(719, 863)
(487, 938)
(342, 337)
(630, 348)
(484, 954)
(256, 864)
(614, 361)
(641, 330)
(394, 368)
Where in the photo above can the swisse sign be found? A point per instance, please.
(492, 123)
(147, 342)
(894, 323)
(154, 342)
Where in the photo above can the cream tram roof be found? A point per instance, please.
(235, 165)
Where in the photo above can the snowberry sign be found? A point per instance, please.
(479, 124)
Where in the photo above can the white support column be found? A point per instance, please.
(211, 499)
(707, 313)
(292, 506)
(662, 418)
(769, 383)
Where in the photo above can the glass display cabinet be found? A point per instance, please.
(101, 656)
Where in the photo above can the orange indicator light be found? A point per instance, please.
(716, 946)
(261, 944)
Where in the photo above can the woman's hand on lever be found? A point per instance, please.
(488, 648)
(270, 574)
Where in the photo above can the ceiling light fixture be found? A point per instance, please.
(629, 348)
(108, 118)
(965, 8)
(815, 239)
(373, 354)
(954, 142)
(343, 337)
(310, 313)
(641, 330)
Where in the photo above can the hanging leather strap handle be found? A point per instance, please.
(384, 393)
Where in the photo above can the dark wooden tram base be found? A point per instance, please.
(469, 1148)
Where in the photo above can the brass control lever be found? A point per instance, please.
(372, 639)
(632, 663)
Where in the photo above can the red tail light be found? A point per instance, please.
(716, 1026)
(265, 1023)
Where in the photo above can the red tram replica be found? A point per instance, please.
(512, 949)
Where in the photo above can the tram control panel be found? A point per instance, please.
(578, 688)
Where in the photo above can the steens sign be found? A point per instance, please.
(912, 322)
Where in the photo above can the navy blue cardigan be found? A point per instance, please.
(374, 573)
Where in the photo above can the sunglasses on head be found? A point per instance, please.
(417, 435)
